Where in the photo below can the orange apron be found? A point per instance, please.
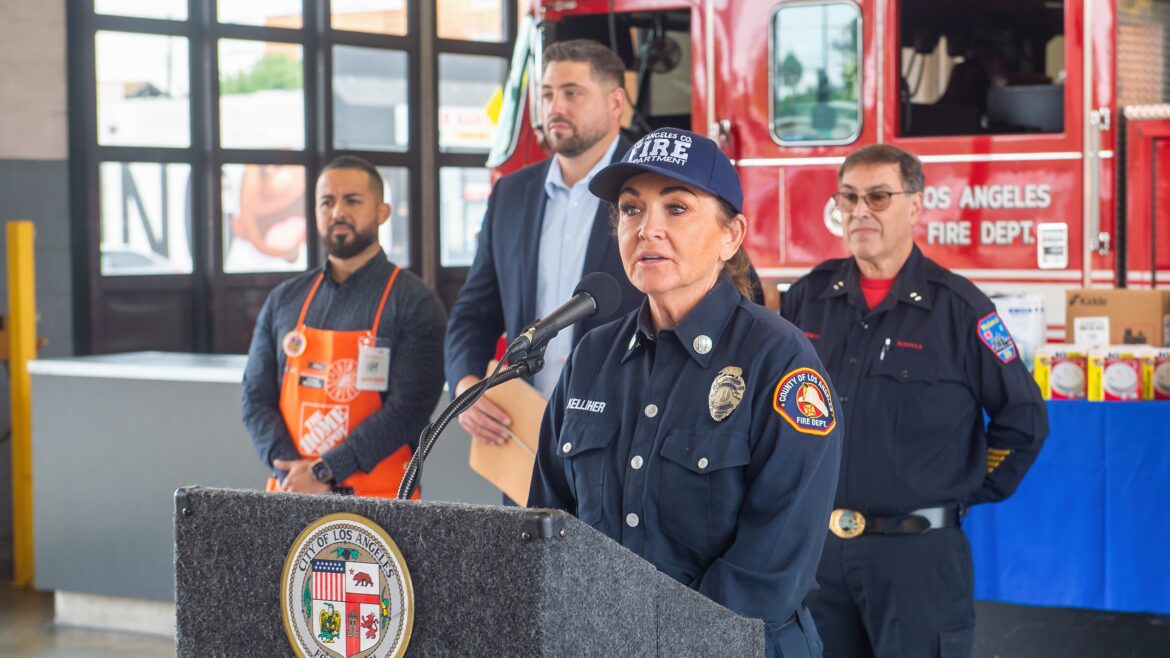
(320, 402)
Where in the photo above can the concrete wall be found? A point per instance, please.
(34, 184)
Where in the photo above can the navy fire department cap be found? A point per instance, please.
(678, 154)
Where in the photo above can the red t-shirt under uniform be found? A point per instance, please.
(875, 290)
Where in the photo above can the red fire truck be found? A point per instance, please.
(1041, 123)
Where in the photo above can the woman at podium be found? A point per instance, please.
(698, 431)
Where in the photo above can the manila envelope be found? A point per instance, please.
(509, 467)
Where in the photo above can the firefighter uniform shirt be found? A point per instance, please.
(915, 376)
(710, 449)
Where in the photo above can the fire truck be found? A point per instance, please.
(1042, 124)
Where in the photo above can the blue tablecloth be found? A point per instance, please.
(1089, 526)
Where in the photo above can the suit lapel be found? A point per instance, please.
(534, 202)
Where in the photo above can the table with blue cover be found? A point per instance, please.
(1088, 527)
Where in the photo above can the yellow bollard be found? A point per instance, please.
(22, 346)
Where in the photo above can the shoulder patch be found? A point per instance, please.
(995, 335)
(803, 399)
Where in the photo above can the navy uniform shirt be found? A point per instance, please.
(915, 376)
(736, 508)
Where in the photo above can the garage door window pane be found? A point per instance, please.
(264, 224)
(374, 16)
(145, 218)
(370, 99)
(269, 13)
(467, 84)
(261, 95)
(463, 193)
(394, 235)
(166, 9)
(143, 90)
(471, 20)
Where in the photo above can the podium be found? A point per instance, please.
(488, 581)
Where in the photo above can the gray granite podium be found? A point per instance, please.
(488, 581)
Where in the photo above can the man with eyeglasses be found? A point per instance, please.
(939, 414)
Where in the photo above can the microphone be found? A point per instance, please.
(597, 294)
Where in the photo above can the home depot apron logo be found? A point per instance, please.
(322, 427)
(322, 396)
(345, 591)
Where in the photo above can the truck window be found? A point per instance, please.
(656, 49)
(816, 78)
(971, 68)
(1143, 50)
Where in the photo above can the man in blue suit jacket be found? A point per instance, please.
(543, 230)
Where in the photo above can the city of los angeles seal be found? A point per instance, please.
(345, 591)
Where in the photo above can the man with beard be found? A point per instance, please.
(345, 364)
(543, 230)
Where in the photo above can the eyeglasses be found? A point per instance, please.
(876, 201)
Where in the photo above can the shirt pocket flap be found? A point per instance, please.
(907, 366)
(704, 452)
(581, 434)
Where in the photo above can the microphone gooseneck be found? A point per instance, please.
(598, 294)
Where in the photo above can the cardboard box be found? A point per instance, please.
(1099, 317)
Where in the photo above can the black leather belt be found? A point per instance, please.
(847, 523)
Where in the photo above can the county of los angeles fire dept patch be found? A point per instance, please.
(994, 334)
(345, 591)
(802, 397)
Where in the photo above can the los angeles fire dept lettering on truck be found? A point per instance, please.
(1022, 171)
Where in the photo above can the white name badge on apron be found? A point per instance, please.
(373, 368)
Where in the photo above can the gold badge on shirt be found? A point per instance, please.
(726, 392)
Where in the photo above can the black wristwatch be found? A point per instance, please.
(321, 471)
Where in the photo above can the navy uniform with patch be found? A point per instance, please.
(915, 376)
(710, 449)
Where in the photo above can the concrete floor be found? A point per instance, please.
(26, 629)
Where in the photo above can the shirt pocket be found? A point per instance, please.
(920, 414)
(702, 486)
(584, 444)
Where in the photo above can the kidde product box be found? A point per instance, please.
(1160, 383)
(1061, 371)
(1120, 373)
(1099, 317)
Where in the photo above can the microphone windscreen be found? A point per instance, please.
(604, 290)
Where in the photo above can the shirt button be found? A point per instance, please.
(567, 447)
(852, 360)
(844, 398)
(632, 520)
(636, 462)
(651, 410)
(905, 374)
(865, 325)
(703, 463)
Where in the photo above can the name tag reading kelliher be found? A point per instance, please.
(586, 405)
